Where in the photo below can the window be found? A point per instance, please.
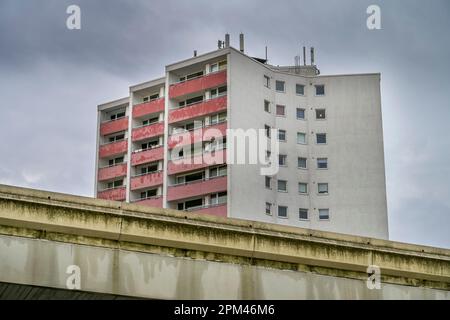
(149, 145)
(149, 169)
(268, 208)
(301, 163)
(266, 81)
(268, 182)
(191, 204)
(214, 67)
(148, 194)
(282, 185)
(218, 66)
(219, 118)
(117, 115)
(282, 135)
(320, 90)
(303, 214)
(281, 110)
(117, 137)
(282, 160)
(321, 138)
(218, 172)
(266, 106)
(191, 76)
(322, 188)
(151, 97)
(302, 188)
(279, 86)
(198, 176)
(322, 163)
(320, 114)
(115, 161)
(190, 101)
(218, 92)
(219, 198)
(299, 89)
(301, 138)
(282, 211)
(324, 214)
(267, 128)
(115, 184)
(150, 121)
(300, 114)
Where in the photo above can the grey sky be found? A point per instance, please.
(52, 78)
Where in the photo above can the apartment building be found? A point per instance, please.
(329, 128)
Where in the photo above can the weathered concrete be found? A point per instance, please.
(129, 250)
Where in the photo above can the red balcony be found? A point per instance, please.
(198, 84)
(145, 132)
(151, 202)
(110, 127)
(198, 110)
(147, 108)
(214, 210)
(202, 134)
(114, 148)
(107, 173)
(147, 180)
(116, 194)
(198, 162)
(147, 156)
(197, 188)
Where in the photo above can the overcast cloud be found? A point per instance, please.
(52, 79)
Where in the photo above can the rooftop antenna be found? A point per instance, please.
(312, 56)
(266, 54)
(304, 55)
(227, 40)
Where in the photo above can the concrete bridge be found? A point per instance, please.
(56, 245)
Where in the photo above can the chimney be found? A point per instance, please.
(304, 56)
(241, 42)
(312, 56)
(227, 40)
(195, 53)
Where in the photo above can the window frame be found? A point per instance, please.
(286, 185)
(306, 163)
(323, 193)
(315, 90)
(304, 113)
(317, 138)
(287, 212)
(306, 188)
(284, 86)
(326, 162)
(303, 86)
(305, 136)
(328, 216)
(307, 214)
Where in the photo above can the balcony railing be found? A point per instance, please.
(116, 171)
(147, 180)
(199, 109)
(156, 201)
(113, 148)
(201, 83)
(197, 135)
(197, 188)
(113, 126)
(116, 194)
(200, 161)
(148, 131)
(219, 210)
(146, 156)
(147, 108)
